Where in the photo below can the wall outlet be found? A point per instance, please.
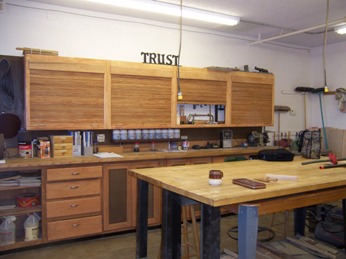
(100, 138)
(293, 112)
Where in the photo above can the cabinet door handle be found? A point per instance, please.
(76, 173)
(74, 187)
(75, 225)
(74, 205)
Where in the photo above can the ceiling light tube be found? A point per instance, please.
(340, 29)
(173, 10)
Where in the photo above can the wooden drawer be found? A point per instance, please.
(61, 139)
(69, 173)
(74, 227)
(73, 207)
(62, 153)
(73, 188)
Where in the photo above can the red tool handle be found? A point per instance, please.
(332, 166)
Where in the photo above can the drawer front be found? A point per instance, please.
(71, 173)
(74, 227)
(61, 139)
(73, 188)
(73, 207)
(62, 153)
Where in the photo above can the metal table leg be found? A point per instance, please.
(344, 215)
(171, 226)
(299, 221)
(142, 220)
(210, 232)
(247, 231)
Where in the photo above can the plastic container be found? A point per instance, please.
(145, 134)
(123, 134)
(171, 133)
(131, 134)
(138, 134)
(158, 133)
(165, 133)
(152, 134)
(8, 231)
(116, 135)
(31, 226)
(176, 133)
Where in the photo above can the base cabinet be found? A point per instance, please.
(120, 200)
(73, 202)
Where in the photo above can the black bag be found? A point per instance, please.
(275, 155)
(309, 144)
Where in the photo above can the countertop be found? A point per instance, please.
(17, 163)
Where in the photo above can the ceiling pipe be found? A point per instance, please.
(299, 31)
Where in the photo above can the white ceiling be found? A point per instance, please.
(258, 18)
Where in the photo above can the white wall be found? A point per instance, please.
(103, 36)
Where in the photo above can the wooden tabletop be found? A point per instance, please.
(192, 181)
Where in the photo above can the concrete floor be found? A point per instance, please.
(123, 246)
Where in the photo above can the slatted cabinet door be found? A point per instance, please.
(64, 93)
(252, 99)
(141, 95)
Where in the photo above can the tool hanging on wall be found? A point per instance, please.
(279, 109)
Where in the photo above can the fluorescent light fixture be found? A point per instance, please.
(172, 10)
(340, 29)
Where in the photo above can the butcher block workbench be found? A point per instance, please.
(179, 183)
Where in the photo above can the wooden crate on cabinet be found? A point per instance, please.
(64, 93)
(252, 99)
(141, 95)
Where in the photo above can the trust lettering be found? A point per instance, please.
(162, 59)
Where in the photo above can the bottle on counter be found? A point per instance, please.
(136, 147)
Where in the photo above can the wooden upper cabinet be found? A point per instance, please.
(141, 95)
(201, 86)
(64, 93)
(252, 99)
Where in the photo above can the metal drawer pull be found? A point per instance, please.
(76, 173)
(74, 205)
(75, 225)
(74, 187)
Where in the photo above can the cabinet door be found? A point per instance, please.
(140, 95)
(117, 197)
(202, 86)
(64, 93)
(252, 99)
(154, 197)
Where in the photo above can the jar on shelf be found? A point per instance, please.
(176, 133)
(116, 135)
(145, 134)
(131, 134)
(123, 134)
(158, 133)
(165, 134)
(152, 134)
(138, 134)
(170, 133)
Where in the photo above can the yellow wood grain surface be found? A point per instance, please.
(192, 181)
